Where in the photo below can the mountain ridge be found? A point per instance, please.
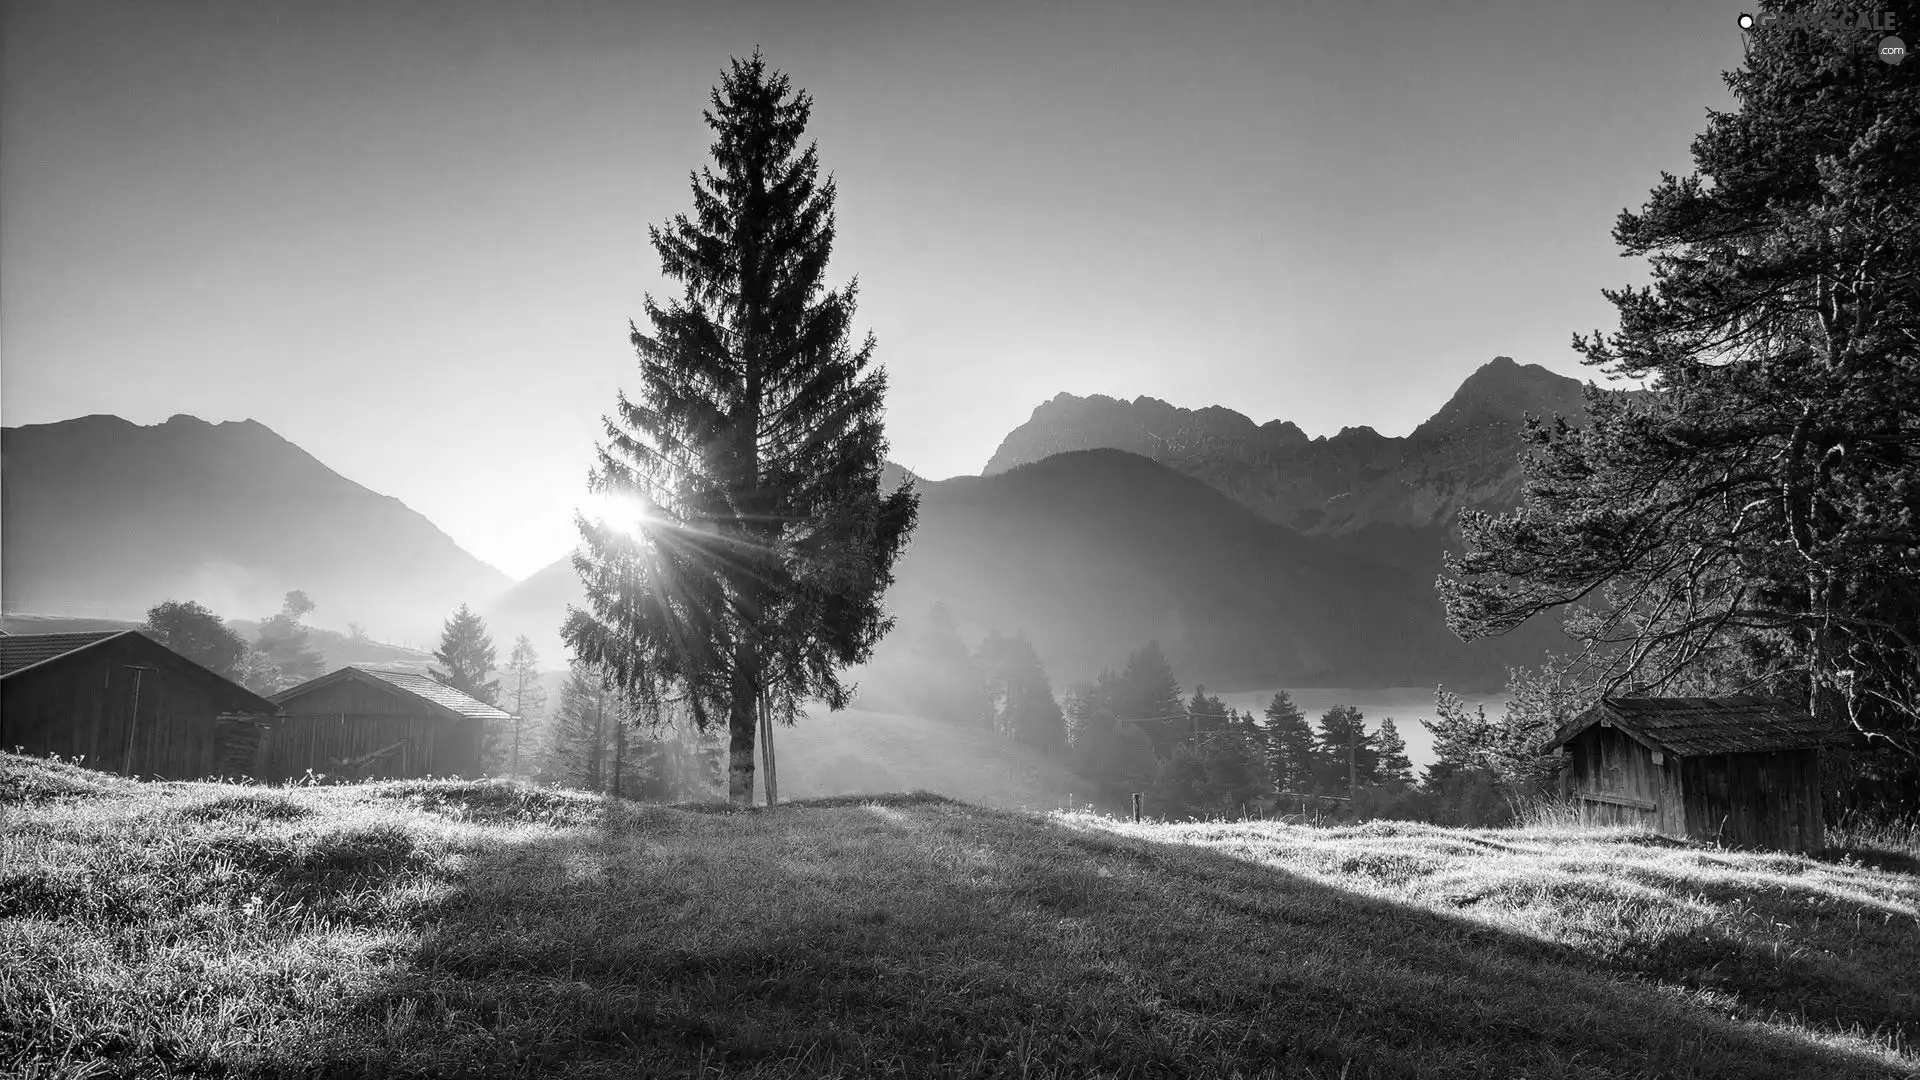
(1464, 456)
(105, 517)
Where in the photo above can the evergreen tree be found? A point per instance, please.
(1019, 697)
(1206, 715)
(579, 748)
(466, 651)
(755, 450)
(528, 700)
(1395, 767)
(992, 661)
(1462, 780)
(1237, 781)
(1290, 759)
(1115, 755)
(1764, 497)
(284, 644)
(1344, 751)
(946, 680)
(197, 634)
(1037, 720)
(1181, 787)
(1148, 693)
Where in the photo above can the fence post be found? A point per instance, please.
(1136, 808)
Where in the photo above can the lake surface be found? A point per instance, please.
(1406, 706)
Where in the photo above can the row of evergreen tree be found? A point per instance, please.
(1131, 730)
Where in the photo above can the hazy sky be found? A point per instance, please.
(409, 236)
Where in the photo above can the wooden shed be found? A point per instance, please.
(1737, 770)
(364, 723)
(125, 703)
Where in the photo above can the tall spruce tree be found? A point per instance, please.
(1289, 745)
(528, 700)
(755, 449)
(1148, 696)
(579, 749)
(1762, 501)
(1345, 752)
(1395, 766)
(945, 678)
(466, 652)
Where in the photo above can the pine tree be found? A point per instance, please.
(1037, 720)
(1395, 767)
(1764, 496)
(1181, 787)
(1148, 694)
(946, 680)
(996, 691)
(755, 450)
(1344, 751)
(466, 651)
(1115, 755)
(1289, 745)
(1237, 779)
(528, 699)
(1206, 715)
(579, 746)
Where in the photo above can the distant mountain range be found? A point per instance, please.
(105, 518)
(1254, 554)
(1396, 498)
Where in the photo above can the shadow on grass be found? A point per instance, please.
(907, 935)
(1893, 862)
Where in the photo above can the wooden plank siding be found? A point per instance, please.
(1759, 800)
(332, 725)
(85, 705)
(335, 744)
(1615, 781)
(1769, 800)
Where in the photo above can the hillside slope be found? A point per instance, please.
(488, 929)
(106, 518)
(1093, 553)
(855, 751)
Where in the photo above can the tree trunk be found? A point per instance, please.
(766, 750)
(741, 722)
(619, 753)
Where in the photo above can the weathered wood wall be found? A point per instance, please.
(1769, 800)
(84, 706)
(1616, 782)
(332, 727)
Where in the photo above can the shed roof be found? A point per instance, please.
(1739, 724)
(445, 699)
(25, 650)
(20, 653)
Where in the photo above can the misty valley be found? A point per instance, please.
(835, 721)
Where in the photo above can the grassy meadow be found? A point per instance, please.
(461, 928)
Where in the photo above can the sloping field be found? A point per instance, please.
(486, 929)
(855, 751)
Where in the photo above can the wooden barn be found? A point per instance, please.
(367, 724)
(1737, 770)
(127, 704)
